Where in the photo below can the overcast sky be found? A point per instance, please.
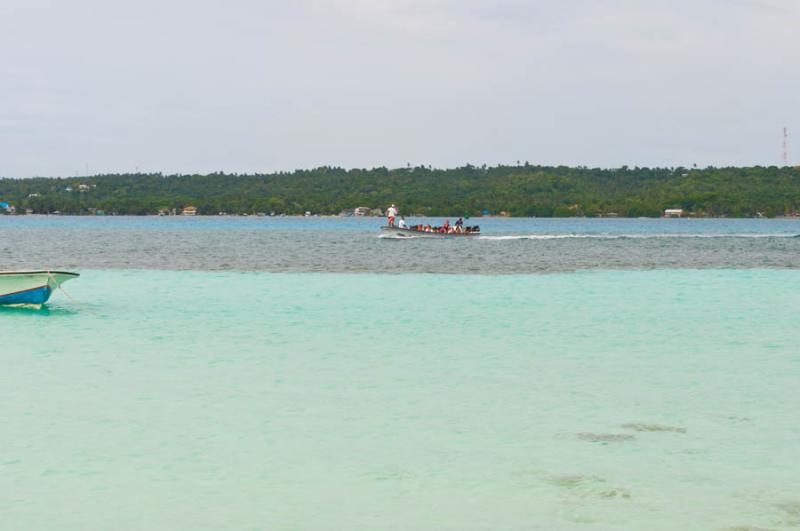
(263, 85)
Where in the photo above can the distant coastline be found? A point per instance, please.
(412, 216)
(522, 190)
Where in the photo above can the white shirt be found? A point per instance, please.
(391, 212)
(402, 224)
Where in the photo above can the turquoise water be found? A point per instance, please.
(662, 399)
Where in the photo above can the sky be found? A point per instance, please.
(179, 86)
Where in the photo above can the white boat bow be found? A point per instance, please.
(30, 288)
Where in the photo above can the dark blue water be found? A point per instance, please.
(507, 245)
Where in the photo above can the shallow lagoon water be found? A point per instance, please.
(598, 399)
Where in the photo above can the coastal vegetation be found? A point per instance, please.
(516, 190)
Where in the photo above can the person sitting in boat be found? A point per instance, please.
(446, 226)
(402, 223)
(391, 213)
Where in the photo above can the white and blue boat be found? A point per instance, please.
(30, 288)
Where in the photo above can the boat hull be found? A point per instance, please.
(30, 288)
(408, 233)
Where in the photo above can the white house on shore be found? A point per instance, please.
(673, 213)
(189, 211)
(361, 212)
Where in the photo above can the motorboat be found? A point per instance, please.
(419, 233)
(30, 288)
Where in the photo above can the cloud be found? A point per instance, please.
(247, 85)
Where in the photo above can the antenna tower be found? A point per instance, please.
(785, 150)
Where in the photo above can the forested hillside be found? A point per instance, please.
(524, 190)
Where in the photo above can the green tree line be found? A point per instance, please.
(521, 190)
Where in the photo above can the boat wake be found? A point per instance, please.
(630, 236)
(398, 236)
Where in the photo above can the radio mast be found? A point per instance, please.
(785, 149)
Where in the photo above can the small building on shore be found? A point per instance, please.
(189, 211)
(361, 211)
(673, 213)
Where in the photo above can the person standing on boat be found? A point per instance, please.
(459, 225)
(402, 223)
(391, 212)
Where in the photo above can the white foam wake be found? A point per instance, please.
(632, 236)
